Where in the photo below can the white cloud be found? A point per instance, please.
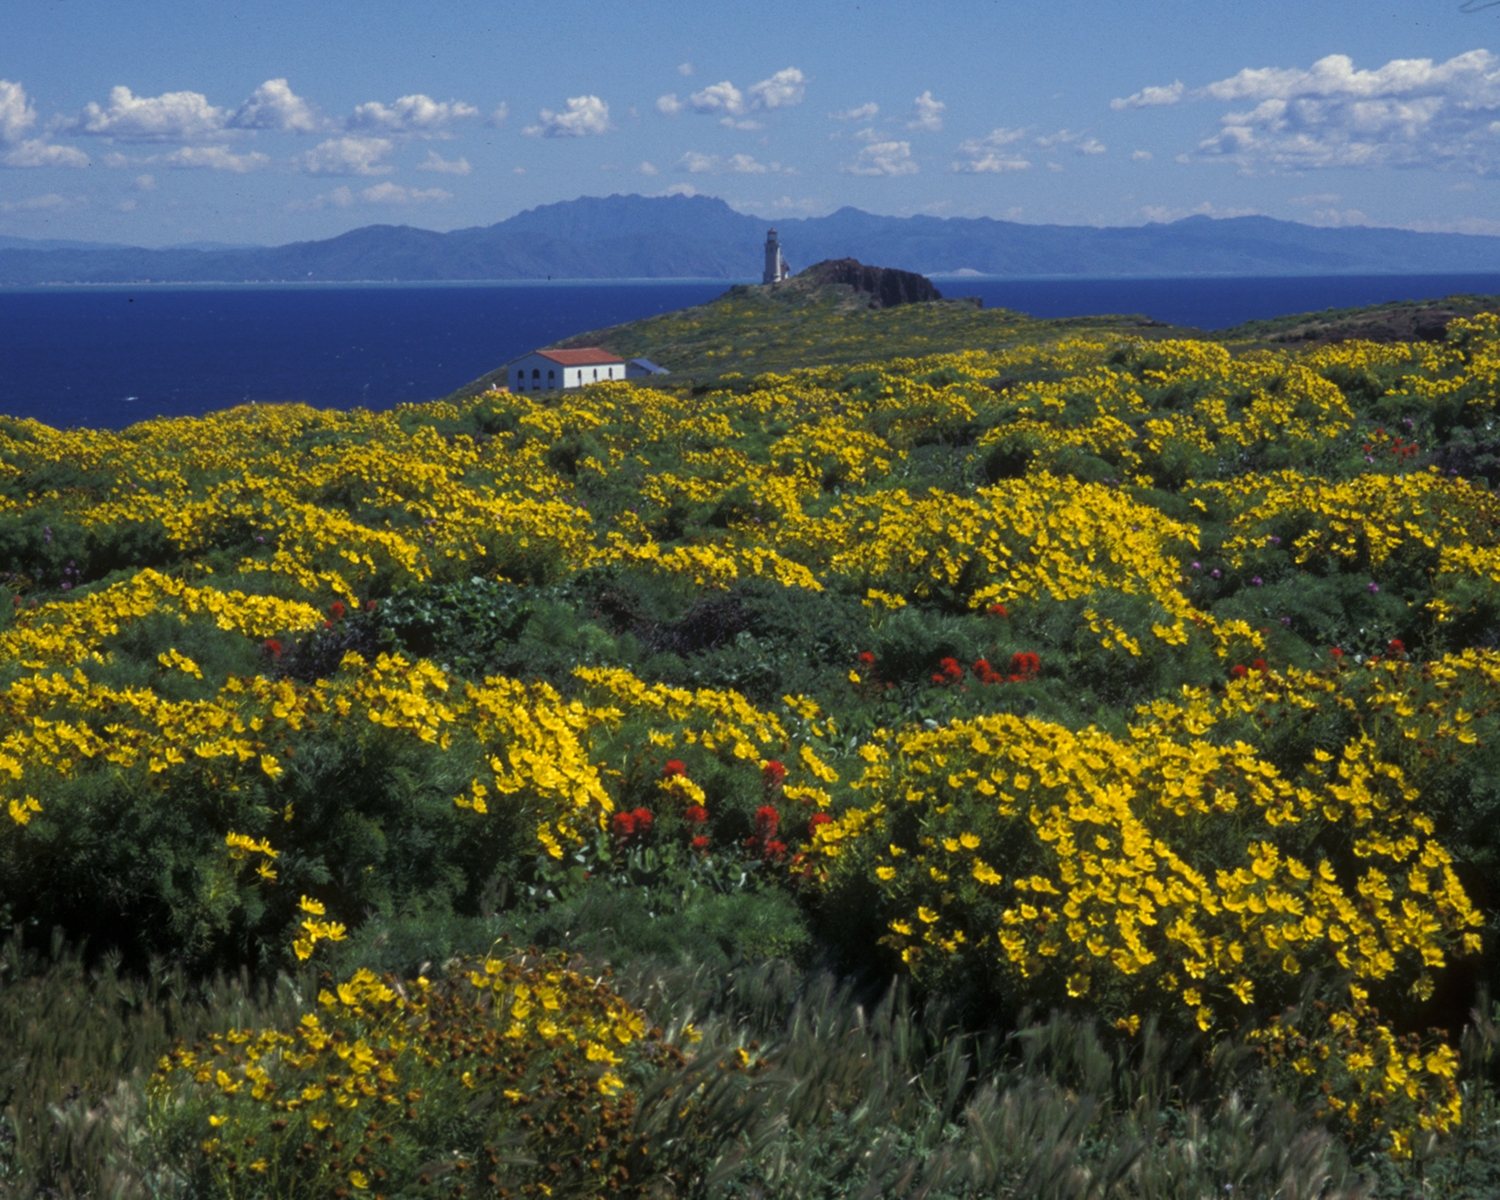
(16, 112)
(647, 168)
(49, 202)
(145, 183)
(37, 153)
(685, 68)
(883, 158)
(988, 155)
(347, 156)
(172, 116)
(860, 112)
(436, 163)
(988, 162)
(385, 192)
(273, 105)
(415, 114)
(719, 97)
(1151, 97)
(1168, 213)
(583, 116)
(214, 158)
(746, 123)
(393, 193)
(1081, 143)
(736, 164)
(681, 189)
(927, 113)
(1409, 112)
(1141, 156)
(499, 115)
(782, 90)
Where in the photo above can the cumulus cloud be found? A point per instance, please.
(718, 97)
(1409, 112)
(16, 113)
(1080, 143)
(860, 112)
(501, 113)
(1141, 156)
(1166, 214)
(37, 153)
(583, 116)
(347, 156)
(214, 158)
(927, 113)
(685, 68)
(735, 164)
(436, 163)
(647, 168)
(49, 202)
(1151, 97)
(172, 116)
(386, 192)
(784, 89)
(989, 155)
(415, 114)
(883, 158)
(393, 193)
(273, 105)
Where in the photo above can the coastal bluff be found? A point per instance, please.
(875, 287)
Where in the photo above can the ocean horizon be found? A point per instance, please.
(110, 355)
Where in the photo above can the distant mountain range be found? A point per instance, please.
(635, 237)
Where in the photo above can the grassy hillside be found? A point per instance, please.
(1025, 758)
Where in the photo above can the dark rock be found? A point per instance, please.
(885, 287)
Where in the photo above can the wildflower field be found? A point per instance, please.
(1067, 768)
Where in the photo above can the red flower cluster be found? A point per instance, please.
(695, 814)
(1396, 447)
(998, 610)
(673, 767)
(764, 841)
(632, 826)
(1396, 648)
(272, 647)
(1240, 670)
(336, 610)
(948, 671)
(818, 818)
(1025, 665)
(772, 774)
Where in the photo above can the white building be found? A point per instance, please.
(776, 268)
(549, 370)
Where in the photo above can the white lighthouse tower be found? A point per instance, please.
(776, 268)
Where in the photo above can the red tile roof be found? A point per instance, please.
(588, 356)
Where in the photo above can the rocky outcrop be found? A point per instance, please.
(884, 287)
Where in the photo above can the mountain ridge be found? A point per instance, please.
(640, 237)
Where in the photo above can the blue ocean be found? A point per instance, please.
(111, 356)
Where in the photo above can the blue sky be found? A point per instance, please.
(174, 121)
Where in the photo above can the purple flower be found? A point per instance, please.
(1216, 573)
(1275, 539)
(1197, 566)
(1372, 587)
(1256, 581)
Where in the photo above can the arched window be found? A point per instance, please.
(551, 375)
(536, 373)
(596, 372)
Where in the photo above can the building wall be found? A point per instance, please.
(536, 373)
